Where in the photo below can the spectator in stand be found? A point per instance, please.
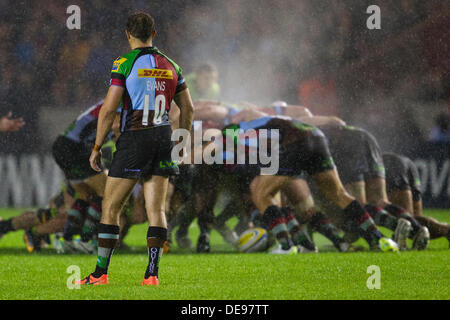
(441, 130)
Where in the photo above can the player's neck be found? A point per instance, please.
(139, 44)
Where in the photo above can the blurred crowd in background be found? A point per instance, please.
(393, 81)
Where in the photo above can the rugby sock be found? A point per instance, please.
(323, 225)
(108, 236)
(76, 216)
(94, 214)
(156, 236)
(274, 218)
(357, 216)
(382, 217)
(6, 226)
(402, 213)
(299, 236)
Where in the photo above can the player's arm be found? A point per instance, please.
(297, 112)
(116, 127)
(184, 103)
(248, 114)
(174, 116)
(105, 121)
(321, 120)
(209, 111)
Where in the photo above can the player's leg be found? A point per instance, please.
(376, 190)
(437, 229)
(205, 215)
(155, 191)
(187, 213)
(23, 221)
(404, 199)
(36, 224)
(377, 196)
(173, 204)
(232, 208)
(28, 219)
(86, 184)
(138, 214)
(296, 194)
(356, 187)
(94, 208)
(238, 205)
(381, 217)
(357, 190)
(376, 186)
(117, 191)
(85, 213)
(237, 190)
(155, 175)
(299, 195)
(355, 215)
(263, 190)
(51, 220)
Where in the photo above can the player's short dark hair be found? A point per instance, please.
(141, 26)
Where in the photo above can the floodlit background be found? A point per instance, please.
(393, 82)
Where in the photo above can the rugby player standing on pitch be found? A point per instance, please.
(144, 82)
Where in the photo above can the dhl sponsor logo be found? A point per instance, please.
(155, 73)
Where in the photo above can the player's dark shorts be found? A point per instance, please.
(357, 155)
(401, 175)
(310, 154)
(141, 154)
(73, 158)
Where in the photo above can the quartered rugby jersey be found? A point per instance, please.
(84, 128)
(235, 108)
(248, 134)
(289, 130)
(150, 80)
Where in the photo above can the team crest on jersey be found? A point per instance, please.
(117, 63)
(155, 73)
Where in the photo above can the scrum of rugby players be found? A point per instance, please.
(351, 190)
(332, 178)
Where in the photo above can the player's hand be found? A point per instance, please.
(7, 124)
(95, 160)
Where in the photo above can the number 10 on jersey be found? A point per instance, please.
(160, 107)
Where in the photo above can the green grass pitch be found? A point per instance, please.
(225, 274)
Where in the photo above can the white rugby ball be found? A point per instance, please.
(253, 240)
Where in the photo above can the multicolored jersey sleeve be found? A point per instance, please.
(289, 131)
(151, 80)
(120, 71)
(84, 128)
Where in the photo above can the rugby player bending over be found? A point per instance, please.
(403, 188)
